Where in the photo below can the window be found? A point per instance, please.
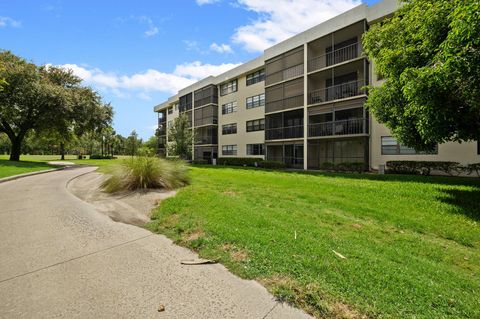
(229, 107)
(229, 129)
(255, 149)
(229, 149)
(255, 101)
(256, 77)
(170, 110)
(390, 146)
(228, 88)
(256, 125)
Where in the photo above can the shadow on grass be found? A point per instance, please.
(464, 201)
(22, 164)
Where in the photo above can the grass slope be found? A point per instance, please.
(412, 244)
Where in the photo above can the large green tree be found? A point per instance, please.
(181, 138)
(46, 98)
(429, 55)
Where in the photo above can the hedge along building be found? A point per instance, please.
(301, 103)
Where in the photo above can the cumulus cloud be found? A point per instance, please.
(151, 80)
(280, 19)
(221, 48)
(9, 22)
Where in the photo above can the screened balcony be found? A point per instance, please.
(337, 47)
(206, 135)
(285, 125)
(284, 96)
(351, 121)
(291, 154)
(337, 92)
(285, 66)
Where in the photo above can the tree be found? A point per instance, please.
(429, 56)
(150, 146)
(45, 99)
(181, 136)
(132, 144)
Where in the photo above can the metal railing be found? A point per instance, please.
(336, 92)
(349, 52)
(283, 104)
(343, 127)
(279, 133)
(283, 75)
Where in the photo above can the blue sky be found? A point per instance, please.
(138, 53)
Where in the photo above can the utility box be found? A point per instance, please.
(214, 161)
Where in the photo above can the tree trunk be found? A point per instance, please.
(62, 151)
(16, 149)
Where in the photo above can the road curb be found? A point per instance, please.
(14, 177)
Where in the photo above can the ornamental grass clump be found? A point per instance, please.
(147, 172)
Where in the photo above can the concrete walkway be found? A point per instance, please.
(60, 258)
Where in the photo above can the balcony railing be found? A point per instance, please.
(343, 127)
(283, 75)
(284, 132)
(338, 56)
(205, 140)
(286, 103)
(336, 92)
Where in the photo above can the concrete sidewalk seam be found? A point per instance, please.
(74, 258)
(270, 311)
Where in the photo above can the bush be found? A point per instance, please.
(239, 161)
(147, 172)
(200, 161)
(98, 156)
(271, 164)
(473, 168)
(327, 166)
(423, 167)
(350, 167)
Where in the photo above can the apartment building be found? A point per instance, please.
(300, 103)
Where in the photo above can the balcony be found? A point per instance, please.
(283, 75)
(287, 132)
(344, 54)
(284, 104)
(339, 128)
(337, 92)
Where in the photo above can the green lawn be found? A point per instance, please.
(8, 168)
(412, 244)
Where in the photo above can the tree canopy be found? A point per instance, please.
(429, 56)
(181, 136)
(46, 98)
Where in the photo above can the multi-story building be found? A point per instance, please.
(301, 103)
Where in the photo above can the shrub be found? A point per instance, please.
(423, 167)
(239, 161)
(98, 156)
(271, 164)
(327, 166)
(200, 161)
(350, 167)
(473, 168)
(147, 172)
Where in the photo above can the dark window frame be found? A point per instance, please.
(228, 129)
(255, 125)
(228, 150)
(255, 101)
(256, 149)
(401, 149)
(229, 87)
(255, 77)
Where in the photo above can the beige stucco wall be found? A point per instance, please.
(241, 116)
(464, 153)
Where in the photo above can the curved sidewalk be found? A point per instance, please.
(61, 258)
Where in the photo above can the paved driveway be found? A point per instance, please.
(61, 258)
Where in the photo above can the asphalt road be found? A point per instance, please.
(60, 258)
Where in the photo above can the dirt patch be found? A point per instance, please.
(129, 208)
(239, 255)
(341, 311)
(194, 235)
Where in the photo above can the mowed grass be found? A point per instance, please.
(8, 168)
(411, 244)
(104, 165)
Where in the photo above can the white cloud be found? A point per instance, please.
(202, 2)
(280, 19)
(9, 22)
(150, 80)
(221, 48)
